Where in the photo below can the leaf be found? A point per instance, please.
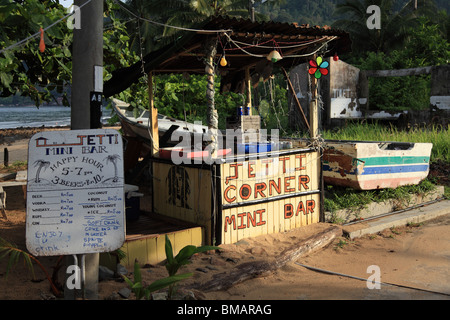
(169, 250)
(185, 254)
(64, 66)
(165, 282)
(6, 79)
(137, 272)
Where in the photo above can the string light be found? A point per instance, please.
(223, 61)
(274, 56)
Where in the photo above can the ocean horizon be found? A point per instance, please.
(12, 117)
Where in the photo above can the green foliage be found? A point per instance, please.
(24, 69)
(14, 253)
(184, 97)
(144, 292)
(10, 250)
(394, 93)
(272, 104)
(346, 198)
(424, 47)
(173, 264)
(183, 257)
(314, 12)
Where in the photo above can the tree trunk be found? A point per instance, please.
(212, 116)
(255, 269)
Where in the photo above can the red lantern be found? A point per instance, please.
(335, 57)
(41, 42)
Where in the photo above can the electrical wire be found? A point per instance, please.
(167, 25)
(37, 34)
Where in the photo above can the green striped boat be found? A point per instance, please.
(366, 165)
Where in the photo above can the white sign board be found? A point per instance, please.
(75, 192)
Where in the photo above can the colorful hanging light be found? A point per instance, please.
(223, 61)
(274, 56)
(335, 57)
(41, 42)
(318, 67)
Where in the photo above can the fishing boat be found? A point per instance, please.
(367, 165)
(170, 130)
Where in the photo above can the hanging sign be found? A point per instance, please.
(75, 192)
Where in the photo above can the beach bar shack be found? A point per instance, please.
(251, 186)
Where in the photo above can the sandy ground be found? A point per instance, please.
(412, 256)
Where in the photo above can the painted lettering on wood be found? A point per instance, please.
(269, 195)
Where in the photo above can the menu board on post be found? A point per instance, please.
(75, 192)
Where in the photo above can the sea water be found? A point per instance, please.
(31, 116)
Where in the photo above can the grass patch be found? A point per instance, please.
(14, 167)
(337, 198)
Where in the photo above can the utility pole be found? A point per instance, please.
(87, 86)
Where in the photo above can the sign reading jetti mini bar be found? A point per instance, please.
(269, 195)
(75, 195)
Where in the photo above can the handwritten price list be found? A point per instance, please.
(55, 216)
(75, 196)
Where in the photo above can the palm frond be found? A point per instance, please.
(14, 253)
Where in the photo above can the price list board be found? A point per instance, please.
(75, 192)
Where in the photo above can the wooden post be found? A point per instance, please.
(313, 110)
(248, 84)
(153, 118)
(87, 56)
(212, 116)
(5, 157)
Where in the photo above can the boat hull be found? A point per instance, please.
(171, 131)
(375, 165)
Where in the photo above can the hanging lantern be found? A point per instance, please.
(274, 56)
(41, 42)
(223, 61)
(335, 57)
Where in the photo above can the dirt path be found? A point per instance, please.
(413, 256)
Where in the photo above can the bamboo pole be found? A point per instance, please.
(248, 84)
(153, 118)
(313, 110)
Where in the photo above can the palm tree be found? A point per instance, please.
(113, 158)
(40, 164)
(182, 13)
(395, 21)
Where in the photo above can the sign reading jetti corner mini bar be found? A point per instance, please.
(75, 195)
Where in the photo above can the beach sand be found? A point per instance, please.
(416, 256)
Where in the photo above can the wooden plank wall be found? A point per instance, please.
(269, 195)
(253, 196)
(183, 193)
(151, 250)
